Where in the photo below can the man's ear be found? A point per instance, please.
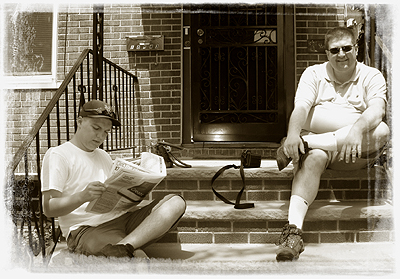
(327, 53)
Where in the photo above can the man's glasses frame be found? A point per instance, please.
(336, 50)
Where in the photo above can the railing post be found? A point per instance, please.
(98, 31)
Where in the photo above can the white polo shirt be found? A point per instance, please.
(334, 105)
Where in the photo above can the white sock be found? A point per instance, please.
(297, 210)
(325, 141)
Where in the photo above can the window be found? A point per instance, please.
(29, 45)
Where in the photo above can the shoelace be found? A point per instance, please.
(287, 231)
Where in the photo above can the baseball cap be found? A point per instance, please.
(99, 109)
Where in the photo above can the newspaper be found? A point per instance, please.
(129, 183)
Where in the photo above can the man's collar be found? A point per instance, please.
(330, 75)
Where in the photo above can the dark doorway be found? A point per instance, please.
(237, 72)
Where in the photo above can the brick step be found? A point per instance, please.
(326, 222)
(267, 183)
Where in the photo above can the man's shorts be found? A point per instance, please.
(360, 163)
(89, 240)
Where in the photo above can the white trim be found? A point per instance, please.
(38, 81)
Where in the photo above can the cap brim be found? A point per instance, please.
(114, 122)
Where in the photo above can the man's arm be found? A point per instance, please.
(55, 204)
(293, 141)
(369, 120)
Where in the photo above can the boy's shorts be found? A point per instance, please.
(89, 240)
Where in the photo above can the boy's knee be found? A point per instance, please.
(175, 202)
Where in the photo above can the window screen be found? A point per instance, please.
(28, 42)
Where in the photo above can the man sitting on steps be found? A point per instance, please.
(73, 175)
(336, 123)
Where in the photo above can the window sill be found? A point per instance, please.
(28, 83)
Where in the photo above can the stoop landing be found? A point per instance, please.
(351, 206)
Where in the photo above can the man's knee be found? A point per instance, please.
(381, 134)
(375, 139)
(316, 159)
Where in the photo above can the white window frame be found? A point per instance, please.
(38, 81)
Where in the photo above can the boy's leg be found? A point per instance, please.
(90, 240)
(162, 218)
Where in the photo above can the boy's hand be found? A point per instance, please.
(93, 191)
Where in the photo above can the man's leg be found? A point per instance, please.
(305, 187)
(333, 141)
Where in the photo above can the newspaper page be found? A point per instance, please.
(129, 183)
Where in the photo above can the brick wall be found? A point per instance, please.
(159, 89)
(158, 93)
(312, 23)
(23, 109)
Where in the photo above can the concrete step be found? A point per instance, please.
(361, 259)
(267, 183)
(326, 222)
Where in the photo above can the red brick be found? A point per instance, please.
(258, 237)
(262, 195)
(254, 226)
(320, 226)
(181, 184)
(198, 195)
(338, 237)
(374, 236)
(198, 237)
(214, 226)
(170, 237)
(311, 237)
(187, 226)
(231, 238)
(160, 194)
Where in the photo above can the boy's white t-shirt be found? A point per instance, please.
(69, 169)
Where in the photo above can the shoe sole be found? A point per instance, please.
(287, 255)
(282, 160)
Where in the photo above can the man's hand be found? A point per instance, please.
(351, 146)
(292, 146)
(92, 191)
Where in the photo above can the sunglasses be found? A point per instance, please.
(336, 50)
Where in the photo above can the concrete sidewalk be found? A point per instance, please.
(344, 259)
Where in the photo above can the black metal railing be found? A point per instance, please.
(54, 126)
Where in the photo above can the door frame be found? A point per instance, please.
(288, 59)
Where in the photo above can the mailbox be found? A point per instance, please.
(145, 43)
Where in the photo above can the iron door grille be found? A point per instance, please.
(238, 73)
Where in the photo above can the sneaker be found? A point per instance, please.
(290, 243)
(282, 160)
(118, 251)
